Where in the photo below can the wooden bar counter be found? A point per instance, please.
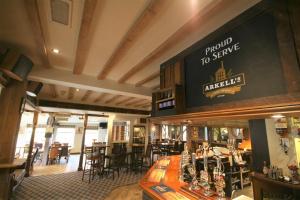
(169, 179)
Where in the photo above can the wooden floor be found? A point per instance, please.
(57, 168)
(130, 192)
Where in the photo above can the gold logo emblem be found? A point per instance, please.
(223, 83)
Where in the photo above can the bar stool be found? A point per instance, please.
(92, 161)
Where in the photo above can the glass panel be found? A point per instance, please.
(24, 135)
(120, 131)
(65, 135)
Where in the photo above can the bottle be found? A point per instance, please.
(265, 169)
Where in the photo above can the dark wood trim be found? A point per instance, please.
(82, 142)
(261, 110)
(29, 157)
(262, 185)
(56, 104)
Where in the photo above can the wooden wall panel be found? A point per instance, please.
(10, 104)
(294, 14)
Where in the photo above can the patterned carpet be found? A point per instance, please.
(69, 186)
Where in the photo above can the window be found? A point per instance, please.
(184, 130)
(24, 135)
(120, 131)
(165, 132)
(91, 135)
(39, 136)
(65, 135)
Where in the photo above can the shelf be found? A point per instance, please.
(166, 99)
(246, 171)
(247, 182)
(236, 181)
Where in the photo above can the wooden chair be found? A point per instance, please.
(53, 154)
(65, 152)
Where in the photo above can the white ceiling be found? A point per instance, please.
(111, 22)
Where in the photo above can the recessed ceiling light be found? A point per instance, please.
(55, 51)
(77, 90)
(277, 116)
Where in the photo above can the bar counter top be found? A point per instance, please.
(170, 179)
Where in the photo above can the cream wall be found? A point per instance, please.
(134, 120)
(77, 140)
(277, 155)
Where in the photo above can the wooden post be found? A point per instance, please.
(11, 99)
(82, 143)
(29, 157)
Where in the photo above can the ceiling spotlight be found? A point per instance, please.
(277, 116)
(77, 90)
(56, 51)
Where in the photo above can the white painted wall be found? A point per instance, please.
(277, 155)
(77, 140)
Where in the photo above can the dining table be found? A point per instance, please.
(17, 162)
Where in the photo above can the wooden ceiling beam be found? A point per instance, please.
(147, 106)
(124, 100)
(86, 95)
(71, 93)
(100, 97)
(142, 104)
(135, 31)
(114, 98)
(182, 33)
(133, 102)
(147, 79)
(156, 87)
(37, 31)
(53, 92)
(84, 39)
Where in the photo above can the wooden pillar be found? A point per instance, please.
(29, 157)
(82, 143)
(11, 99)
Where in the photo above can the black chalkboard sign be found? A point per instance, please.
(240, 64)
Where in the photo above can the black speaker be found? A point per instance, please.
(34, 88)
(15, 65)
(103, 125)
